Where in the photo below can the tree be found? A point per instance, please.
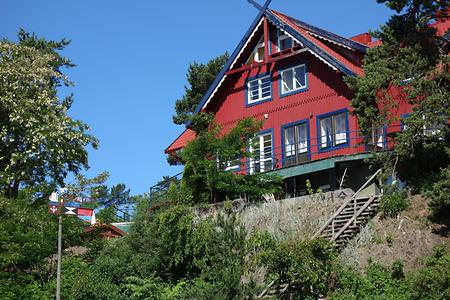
(200, 77)
(40, 142)
(207, 157)
(412, 61)
(28, 241)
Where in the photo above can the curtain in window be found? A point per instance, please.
(289, 141)
(325, 132)
(340, 129)
(302, 138)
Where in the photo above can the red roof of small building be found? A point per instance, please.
(107, 231)
(181, 141)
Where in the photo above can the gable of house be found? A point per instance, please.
(326, 53)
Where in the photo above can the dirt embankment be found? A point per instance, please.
(409, 238)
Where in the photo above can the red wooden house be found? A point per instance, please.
(290, 74)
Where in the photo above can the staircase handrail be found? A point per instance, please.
(344, 205)
(354, 217)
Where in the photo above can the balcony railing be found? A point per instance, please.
(275, 158)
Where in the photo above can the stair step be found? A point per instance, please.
(344, 220)
(336, 229)
(355, 229)
(352, 209)
(350, 214)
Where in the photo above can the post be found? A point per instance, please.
(266, 40)
(58, 270)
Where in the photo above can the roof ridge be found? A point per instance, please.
(312, 39)
(327, 34)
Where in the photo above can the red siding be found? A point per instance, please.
(326, 92)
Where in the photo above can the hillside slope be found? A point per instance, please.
(410, 237)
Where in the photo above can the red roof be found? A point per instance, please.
(181, 141)
(442, 25)
(107, 231)
(354, 68)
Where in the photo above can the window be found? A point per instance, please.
(293, 79)
(232, 165)
(295, 144)
(257, 54)
(284, 41)
(333, 130)
(259, 89)
(377, 138)
(430, 128)
(261, 148)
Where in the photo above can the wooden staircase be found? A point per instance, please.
(353, 214)
(343, 225)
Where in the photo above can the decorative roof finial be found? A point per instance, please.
(258, 6)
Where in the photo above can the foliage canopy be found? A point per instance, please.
(199, 76)
(40, 142)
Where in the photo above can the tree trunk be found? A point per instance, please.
(12, 191)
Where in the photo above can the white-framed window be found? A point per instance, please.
(284, 41)
(259, 89)
(295, 144)
(257, 54)
(262, 152)
(293, 79)
(377, 137)
(333, 130)
(432, 129)
(233, 165)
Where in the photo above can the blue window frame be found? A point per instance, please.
(293, 80)
(258, 89)
(402, 124)
(333, 130)
(284, 41)
(295, 143)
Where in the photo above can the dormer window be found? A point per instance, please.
(284, 41)
(257, 54)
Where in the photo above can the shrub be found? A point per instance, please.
(379, 282)
(439, 193)
(394, 203)
(433, 281)
(306, 265)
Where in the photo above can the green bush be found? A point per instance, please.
(439, 194)
(433, 281)
(394, 203)
(306, 265)
(380, 282)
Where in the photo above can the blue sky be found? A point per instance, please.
(132, 58)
